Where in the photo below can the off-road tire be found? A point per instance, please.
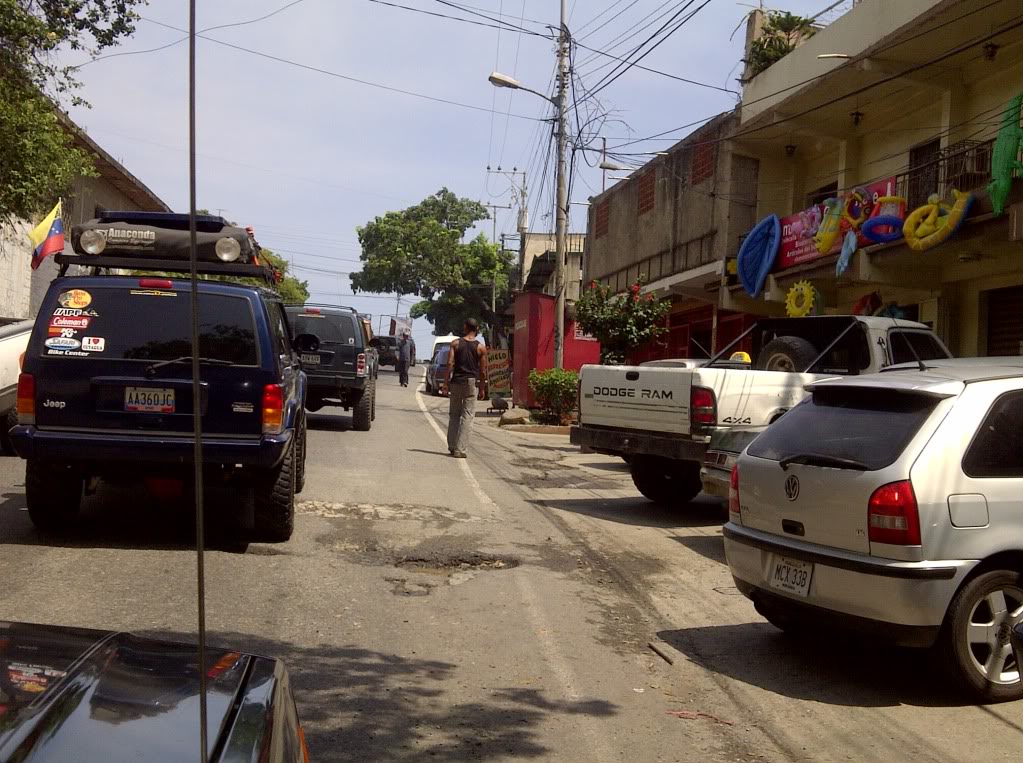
(786, 353)
(274, 501)
(53, 493)
(665, 481)
(301, 442)
(953, 650)
(373, 412)
(427, 388)
(362, 411)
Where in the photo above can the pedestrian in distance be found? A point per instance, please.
(406, 357)
(466, 383)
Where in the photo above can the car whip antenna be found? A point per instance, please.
(200, 540)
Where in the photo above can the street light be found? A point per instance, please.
(614, 166)
(503, 80)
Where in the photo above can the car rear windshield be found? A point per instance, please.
(329, 329)
(149, 324)
(926, 346)
(870, 426)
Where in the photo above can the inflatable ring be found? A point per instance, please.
(884, 227)
(802, 300)
(827, 232)
(857, 199)
(935, 222)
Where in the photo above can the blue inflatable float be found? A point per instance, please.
(757, 254)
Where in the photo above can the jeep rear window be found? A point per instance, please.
(329, 329)
(145, 324)
(868, 425)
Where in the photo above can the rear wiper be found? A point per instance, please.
(151, 369)
(817, 459)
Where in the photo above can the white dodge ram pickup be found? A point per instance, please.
(660, 419)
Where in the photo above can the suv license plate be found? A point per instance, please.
(792, 576)
(148, 400)
(312, 360)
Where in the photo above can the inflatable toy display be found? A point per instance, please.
(1004, 155)
(803, 300)
(855, 208)
(757, 254)
(885, 222)
(829, 227)
(935, 222)
(849, 246)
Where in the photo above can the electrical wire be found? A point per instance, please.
(500, 25)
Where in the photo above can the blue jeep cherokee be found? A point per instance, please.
(106, 391)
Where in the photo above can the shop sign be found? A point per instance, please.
(799, 231)
(499, 371)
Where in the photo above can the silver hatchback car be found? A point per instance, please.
(892, 504)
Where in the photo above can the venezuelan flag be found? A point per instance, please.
(47, 237)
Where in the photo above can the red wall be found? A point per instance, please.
(534, 344)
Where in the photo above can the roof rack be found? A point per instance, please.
(161, 242)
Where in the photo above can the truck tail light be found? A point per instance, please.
(893, 516)
(360, 364)
(734, 514)
(26, 403)
(703, 408)
(273, 409)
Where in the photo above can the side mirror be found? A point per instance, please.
(307, 343)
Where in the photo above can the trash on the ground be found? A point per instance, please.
(692, 715)
(661, 652)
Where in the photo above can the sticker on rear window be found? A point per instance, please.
(59, 322)
(75, 298)
(62, 343)
(94, 343)
(153, 293)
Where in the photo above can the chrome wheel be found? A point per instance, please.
(987, 634)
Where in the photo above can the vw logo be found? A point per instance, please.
(792, 487)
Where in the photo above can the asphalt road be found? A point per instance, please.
(493, 609)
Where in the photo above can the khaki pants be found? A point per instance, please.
(461, 412)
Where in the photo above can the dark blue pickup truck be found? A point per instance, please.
(106, 390)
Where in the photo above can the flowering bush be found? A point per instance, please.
(555, 391)
(621, 322)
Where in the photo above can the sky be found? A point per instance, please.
(288, 145)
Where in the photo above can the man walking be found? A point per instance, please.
(406, 357)
(467, 365)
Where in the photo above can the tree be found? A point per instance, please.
(421, 250)
(621, 322)
(292, 290)
(37, 158)
(781, 33)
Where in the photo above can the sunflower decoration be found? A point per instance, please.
(803, 300)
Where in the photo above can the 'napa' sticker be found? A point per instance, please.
(62, 343)
(75, 298)
(94, 343)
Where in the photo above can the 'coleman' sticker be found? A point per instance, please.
(94, 343)
(62, 343)
(76, 298)
(61, 322)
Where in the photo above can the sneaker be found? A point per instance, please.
(458, 454)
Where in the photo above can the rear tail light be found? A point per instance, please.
(360, 364)
(893, 516)
(26, 402)
(703, 409)
(273, 409)
(734, 513)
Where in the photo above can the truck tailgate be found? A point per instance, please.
(635, 397)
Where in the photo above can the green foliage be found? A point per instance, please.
(621, 322)
(421, 250)
(292, 290)
(556, 391)
(781, 33)
(37, 159)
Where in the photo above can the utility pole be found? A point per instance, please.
(522, 223)
(603, 158)
(562, 201)
(493, 286)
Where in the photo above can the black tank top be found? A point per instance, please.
(467, 360)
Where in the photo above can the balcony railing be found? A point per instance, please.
(964, 166)
(685, 256)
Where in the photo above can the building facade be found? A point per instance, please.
(896, 101)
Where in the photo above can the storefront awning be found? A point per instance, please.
(691, 283)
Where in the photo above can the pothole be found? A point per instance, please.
(447, 570)
(405, 587)
(375, 511)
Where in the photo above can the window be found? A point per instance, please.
(903, 343)
(702, 167)
(328, 328)
(997, 448)
(647, 191)
(923, 172)
(279, 327)
(855, 423)
(601, 218)
(158, 328)
(822, 194)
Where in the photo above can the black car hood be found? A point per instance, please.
(78, 694)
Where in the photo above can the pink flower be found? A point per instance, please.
(635, 288)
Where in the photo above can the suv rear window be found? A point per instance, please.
(143, 324)
(329, 329)
(867, 425)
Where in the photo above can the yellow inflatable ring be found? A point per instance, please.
(935, 221)
(802, 300)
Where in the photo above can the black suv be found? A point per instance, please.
(388, 348)
(106, 390)
(342, 370)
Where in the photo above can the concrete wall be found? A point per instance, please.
(15, 270)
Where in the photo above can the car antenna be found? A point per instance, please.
(200, 540)
(912, 349)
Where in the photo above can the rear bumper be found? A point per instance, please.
(716, 481)
(878, 596)
(627, 442)
(98, 447)
(333, 385)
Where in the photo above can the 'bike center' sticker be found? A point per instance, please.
(75, 298)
